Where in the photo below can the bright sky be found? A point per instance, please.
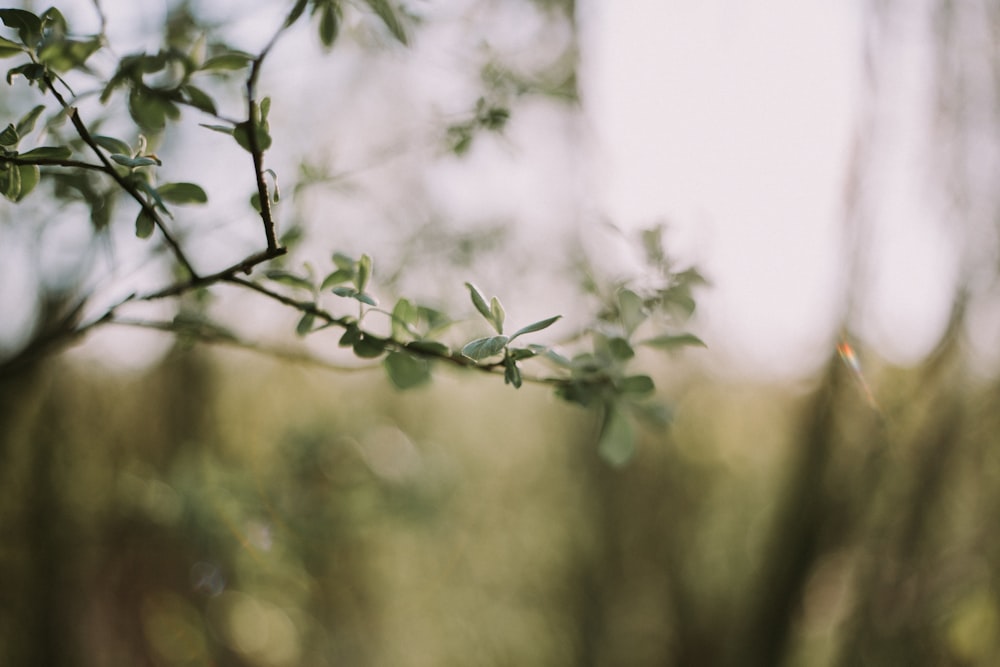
(733, 122)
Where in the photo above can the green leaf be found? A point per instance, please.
(10, 183)
(479, 301)
(631, 310)
(182, 193)
(242, 135)
(351, 336)
(231, 60)
(33, 72)
(352, 293)
(364, 297)
(47, 153)
(342, 261)
(289, 278)
(112, 145)
(305, 324)
(337, 277)
(29, 175)
(387, 13)
(511, 373)
(429, 347)
(406, 371)
(655, 414)
(482, 348)
(620, 348)
(198, 98)
(537, 326)
(520, 353)
(9, 136)
(668, 342)
(66, 54)
(150, 109)
(144, 224)
(27, 122)
(293, 16)
(404, 318)
(224, 129)
(617, 441)
(368, 347)
(497, 314)
(364, 273)
(329, 24)
(28, 26)
(9, 48)
(133, 162)
(636, 384)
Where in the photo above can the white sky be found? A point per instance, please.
(733, 121)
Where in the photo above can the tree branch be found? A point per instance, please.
(109, 169)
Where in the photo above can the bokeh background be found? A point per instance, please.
(830, 170)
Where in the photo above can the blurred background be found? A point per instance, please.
(830, 170)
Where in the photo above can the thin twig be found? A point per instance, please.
(81, 129)
(245, 265)
(253, 110)
(52, 162)
(215, 337)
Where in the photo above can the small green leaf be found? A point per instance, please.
(387, 13)
(482, 348)
(406, 371)
(329, 24)
(617, 441)
(654, 414)
(497, 314)
(479, 301)
(47, 153)
(517, 354)
(182, 193)
(9, 136)
(288, 278)
(224, 129)
(337, 277)
(33, 72)
(364, 273)
(293, 16)
(620, 348)
(364, 297)
(144, 224)
(29, 175)
(242, 135)
(668, 342)
(9, 48)
(537, 326)
(133, 162)
(404, 318)
(631, 309)
(305, 324)
(27, 122)
(429, 347)
(342, 261)
(10, 183)
(636, 384)
(511, 373)
(28, 26)
(232, 60)
(368, 347)
(351, 336)
(198, 98)
(112, 145)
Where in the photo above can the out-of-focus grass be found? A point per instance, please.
(225, 510)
